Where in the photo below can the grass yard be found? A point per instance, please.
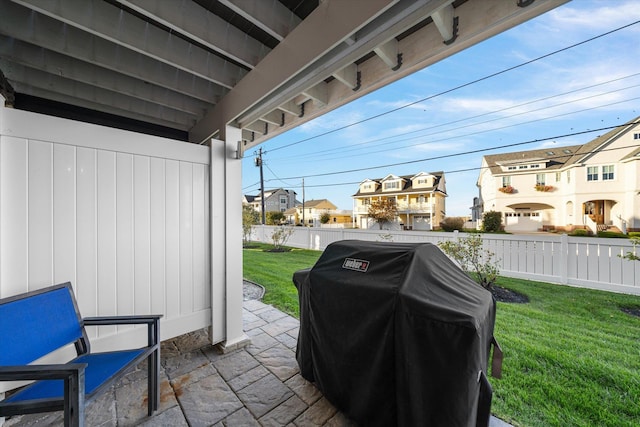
(571, 356)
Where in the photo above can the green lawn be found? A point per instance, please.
(571, 356)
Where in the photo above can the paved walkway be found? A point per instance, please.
(258, 385)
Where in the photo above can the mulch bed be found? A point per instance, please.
(633, 311)
(507, 295)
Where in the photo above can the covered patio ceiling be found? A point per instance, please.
(185, 69)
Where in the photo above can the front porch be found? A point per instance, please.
(258, 385)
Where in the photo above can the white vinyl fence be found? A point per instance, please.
(587, 262)
(124, 217)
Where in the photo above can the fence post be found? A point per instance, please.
(564, 258)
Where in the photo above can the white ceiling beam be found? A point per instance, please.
(274, 118)
(108, 22)
(43, 93)
(94, 98)
(348, 76)
(318, 93)
(270, 16)
(401, 16)
(197, 23)
(247, 135)
(324, 29)
(480, 19)
(444, 20)
(388, 52)
(290, 107)
(258, 126)
(66, 40)
(36, 57)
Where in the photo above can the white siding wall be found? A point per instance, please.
(124, 217)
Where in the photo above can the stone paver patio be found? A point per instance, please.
(258, 385)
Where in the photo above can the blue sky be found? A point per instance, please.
(583, 88)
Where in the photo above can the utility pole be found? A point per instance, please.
(259, 164)
(303, 203)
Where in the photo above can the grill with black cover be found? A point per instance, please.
(396, 334)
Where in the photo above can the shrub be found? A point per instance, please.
(325, 218)
(473, 259)
(580, 232)
(280, 237)
(274, 217)
(452, 223)
(611, 234)
(492, 222)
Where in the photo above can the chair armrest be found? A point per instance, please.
(121, 320)
(41, 372)
(152, 321)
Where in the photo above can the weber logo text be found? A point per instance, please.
(355, 264)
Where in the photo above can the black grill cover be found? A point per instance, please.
(396, 334)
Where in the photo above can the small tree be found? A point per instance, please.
(274, 218)
(473, 259)
(250, 217)
(280, 237)
(325, 218)
(383, 211)
(451, 223)
(632, 255)
(492, 222)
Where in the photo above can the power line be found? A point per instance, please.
(444, 156)
(458, 136)
(356, 145)
(458, 87)
(449, 172)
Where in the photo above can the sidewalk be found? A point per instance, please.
(258, 385)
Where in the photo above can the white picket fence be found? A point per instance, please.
(587, 262)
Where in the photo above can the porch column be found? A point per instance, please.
(226, 242)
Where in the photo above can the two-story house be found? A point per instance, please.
(309, 214)
(419, 199)
(595, 186)
(275, 200)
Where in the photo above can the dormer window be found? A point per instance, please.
(391, 185)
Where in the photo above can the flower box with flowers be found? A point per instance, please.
(508, 189)
(542, 187)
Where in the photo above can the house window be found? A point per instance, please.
(522, 167)
(568, 177)
(506, 181)
(283, 200)
(540, 178)
(366, 202)
(391, 185)
(607, 173)
(592, 173)
(636, 136)
(421, 198)
(511, 168)
(558, 176)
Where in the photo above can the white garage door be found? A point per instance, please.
(421, 223)
(522, 221)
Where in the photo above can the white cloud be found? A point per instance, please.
(604, 14)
